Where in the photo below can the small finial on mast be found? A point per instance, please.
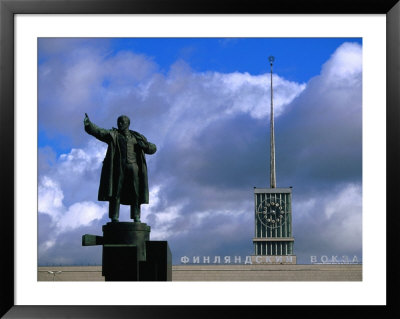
(271, 60)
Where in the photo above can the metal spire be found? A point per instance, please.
(271, 60)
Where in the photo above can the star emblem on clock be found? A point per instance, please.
(272, 212)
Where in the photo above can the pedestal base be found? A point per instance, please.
(124, 234)
(120, 263)
(129, 255)
(158, 266)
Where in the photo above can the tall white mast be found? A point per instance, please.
(272, 134)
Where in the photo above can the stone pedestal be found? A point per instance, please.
(158, 266)
(129, 255)
(120, 263)
(124, 246)
(127, 234)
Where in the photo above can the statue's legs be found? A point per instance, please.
(128, 190)
(113, 209)
(132, 175)
(135, 212)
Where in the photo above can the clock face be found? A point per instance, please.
(271, 212)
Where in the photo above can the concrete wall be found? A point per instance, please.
(73, 273)
(326, 272)
(268, 273)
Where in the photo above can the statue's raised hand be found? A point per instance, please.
(86, 119)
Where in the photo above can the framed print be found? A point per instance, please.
(35, 34)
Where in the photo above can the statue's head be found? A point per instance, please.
(123, 122)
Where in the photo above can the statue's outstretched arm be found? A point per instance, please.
(98, 132)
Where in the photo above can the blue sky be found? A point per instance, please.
(299, 59)
(205, 104)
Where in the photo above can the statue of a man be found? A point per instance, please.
(124, 173)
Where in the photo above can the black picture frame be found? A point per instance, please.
(8, 9)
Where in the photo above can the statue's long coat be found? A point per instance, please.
(112, 167)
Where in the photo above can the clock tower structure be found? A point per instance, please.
(273, 240)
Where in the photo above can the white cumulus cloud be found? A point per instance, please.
(345, 66)
(66, 176)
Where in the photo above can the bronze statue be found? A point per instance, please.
(124, 173)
